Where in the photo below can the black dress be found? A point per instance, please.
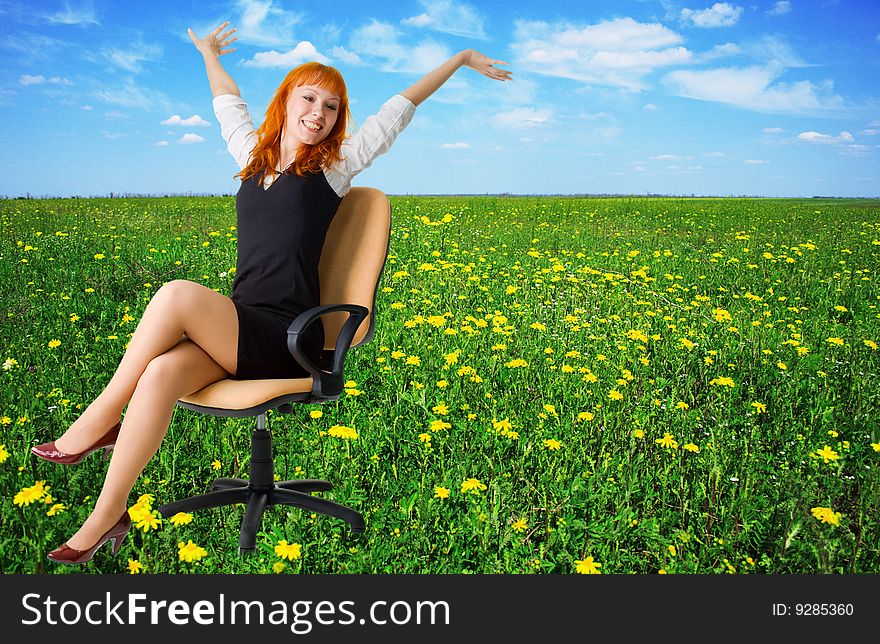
(281, 231)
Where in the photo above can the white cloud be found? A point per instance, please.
(348, 57)
(871, 132)
(264, 23)
(818, 137)
(162, 144)
(382, 40)
(522, 118)
(780, 8)
(303, 52)
(194, 120)
(456, 146)
(772, 130)
(131, 59)
(87, 108)
(133, 95)
(39, 79)
(448, 17)
(756, 162)
(617, 52)
(754, 88)
(84, 15)
(189, 137)
(650, 107)
(721, 51)
(720, 14)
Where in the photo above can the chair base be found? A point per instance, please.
(227, 491)
(260, 491)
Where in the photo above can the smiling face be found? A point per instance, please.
(311, 114)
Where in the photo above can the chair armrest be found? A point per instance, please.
(325, 384)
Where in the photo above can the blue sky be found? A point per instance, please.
(642, 96)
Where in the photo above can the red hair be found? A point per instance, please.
(309, 158)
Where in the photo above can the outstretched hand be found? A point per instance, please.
(485, 65)
(214, 43)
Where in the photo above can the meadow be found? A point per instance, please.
(556, 385)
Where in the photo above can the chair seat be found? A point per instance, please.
(246, 394)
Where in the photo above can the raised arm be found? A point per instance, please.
(212, 47)
(431, 82)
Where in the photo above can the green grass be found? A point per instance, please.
(660, 300)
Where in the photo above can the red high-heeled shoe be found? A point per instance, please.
(116, 534)
(49, 452)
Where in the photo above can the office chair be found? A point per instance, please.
(352, 261)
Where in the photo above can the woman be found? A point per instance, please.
(295, 169)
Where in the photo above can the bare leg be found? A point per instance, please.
(182, 370)
(180, 307)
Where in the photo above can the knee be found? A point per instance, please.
(161, 374)
(174, 289)
(171, 294)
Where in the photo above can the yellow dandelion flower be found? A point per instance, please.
(870, 344)
(615, 395)
(517, 363)
(414, 360)
(827, 454)
(57, 508)
(341, 431)
(722, 381)
(519, 525)
(440, 409)
(588, 566)
(826, 515)
(474, 486)
(836, 341)
(190, 552)
(134, 567)
(216, 465)
(54, 343)
(760, 408)
(149, 521)
(722, 315)
(876, 446)
(437, 425)
(585, 416)
(278, 567)
(667, 442)
(29, 495)
(3, 454)
(639, 433)
(181, 518)
(441, 492)
(692, 448)
(316, 413)
(682, 405)
(289, 551)
(552, 444)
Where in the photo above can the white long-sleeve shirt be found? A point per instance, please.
(374, 137)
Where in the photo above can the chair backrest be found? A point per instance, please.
(353, 258)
